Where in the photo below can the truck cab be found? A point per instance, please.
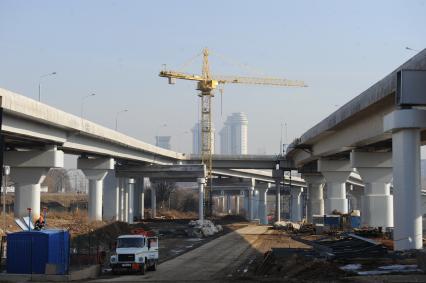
(137, 253)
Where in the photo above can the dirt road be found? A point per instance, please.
(213, 261)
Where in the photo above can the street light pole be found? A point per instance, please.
(116, 117)
(39, 83)
(82, 102)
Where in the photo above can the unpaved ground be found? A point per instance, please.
(215, 260)
(236, 257)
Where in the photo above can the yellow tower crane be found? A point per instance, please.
(206, 83)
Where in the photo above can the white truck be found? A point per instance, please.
(135, 253)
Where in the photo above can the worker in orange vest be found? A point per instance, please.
(39, 224)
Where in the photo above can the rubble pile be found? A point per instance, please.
(287, 225)
(203, 228)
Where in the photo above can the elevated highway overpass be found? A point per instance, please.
(36, 136)
(377, 134)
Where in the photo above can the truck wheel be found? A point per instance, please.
(154, 266)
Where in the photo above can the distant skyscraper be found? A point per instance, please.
(163, 141)
(233, 136)
(196, 139)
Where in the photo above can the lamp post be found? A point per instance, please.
(116, 117)
(82, 102)
(39, 83)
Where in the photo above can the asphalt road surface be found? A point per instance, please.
(214, 261)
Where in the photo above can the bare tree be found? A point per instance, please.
(163, 190)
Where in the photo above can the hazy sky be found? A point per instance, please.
(116, 49)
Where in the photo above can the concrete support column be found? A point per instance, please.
(153, 202)
(278, 175)
(263, 195)
(315, 195)
(355, 196)
(95, 170)
(95, 198)
(122, 202)
(237, 205)
(405, 125)
(228, 204)
(28, 170)
(138, 187)
(27, 191)
(256, 204)
(110, 197)
(296, 204)
(407, 189)
(250, 194)
(130, 189)
(126, 200)
(222, 197)
(201, 182)
(375, 169)
(146, 184)
(336, 173)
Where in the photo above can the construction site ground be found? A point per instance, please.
(237, 256)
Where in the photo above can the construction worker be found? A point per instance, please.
(39, 224)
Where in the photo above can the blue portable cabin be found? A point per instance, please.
(333, 221)
(28, 252)
(355, 221)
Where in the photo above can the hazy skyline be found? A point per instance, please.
(116, 49)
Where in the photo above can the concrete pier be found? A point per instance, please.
(201, 182)
(375, 169)
(28, 170)
(95, 170)
(405, 126)
(153, 202)
(296, 204)
(263, 197)
(336, 173)
(315, 184)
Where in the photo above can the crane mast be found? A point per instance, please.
(206, 84)
(206, 87)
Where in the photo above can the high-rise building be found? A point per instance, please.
(163, 141)
(196, 139)
(233, 136)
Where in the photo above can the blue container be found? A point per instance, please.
(355, 221)
(333, 221)
(29, 252)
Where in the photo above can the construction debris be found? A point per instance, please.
(286, 225)
(203, 228)
(349, 246)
